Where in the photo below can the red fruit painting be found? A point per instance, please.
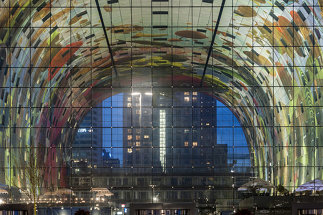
(62, 58)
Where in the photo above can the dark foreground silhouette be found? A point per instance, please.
(82, 212)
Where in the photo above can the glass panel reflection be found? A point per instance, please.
(187, 154)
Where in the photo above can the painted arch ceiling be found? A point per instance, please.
(266, 65)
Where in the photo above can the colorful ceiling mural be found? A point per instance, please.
(266, 65)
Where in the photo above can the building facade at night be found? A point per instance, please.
(152, 81)
(155, 159)
(89, 134)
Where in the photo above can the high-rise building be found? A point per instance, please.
(109, 161)
(87, 146)
(138, 138)
(191, 143)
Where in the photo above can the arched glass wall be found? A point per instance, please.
(59, 59)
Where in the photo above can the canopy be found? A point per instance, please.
(3, 191)
(59, 192)
(314, 185)
(100, 192)
(256, 183)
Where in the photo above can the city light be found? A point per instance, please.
(162, 137)
(84, 130)
(138, 93)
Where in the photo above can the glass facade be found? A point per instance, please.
(130, 87)
(191, 151)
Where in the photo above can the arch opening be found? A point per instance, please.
(196, 141)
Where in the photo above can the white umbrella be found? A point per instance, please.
(256, 183)
(314, 185)
(101, 192)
